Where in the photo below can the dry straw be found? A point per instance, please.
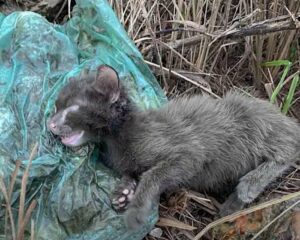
(16, 230)
(218, 44)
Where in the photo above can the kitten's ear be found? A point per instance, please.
(107, 83)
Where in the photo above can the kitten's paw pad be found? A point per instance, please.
(135, 217)
(122, 195)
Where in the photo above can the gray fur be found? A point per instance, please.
(200, 143)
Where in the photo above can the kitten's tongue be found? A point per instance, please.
(72, 139)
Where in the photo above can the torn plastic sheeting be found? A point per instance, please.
(36, 60)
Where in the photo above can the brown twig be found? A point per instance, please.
(8, 207)
(32, 230)
(276, 24)
(26, 219)
(13, 179)
(185, 78)
(11, 186)
(23, 193)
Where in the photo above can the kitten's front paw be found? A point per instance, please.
(122, 195)
(135, 217)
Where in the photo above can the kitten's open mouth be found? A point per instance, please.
(72, 139)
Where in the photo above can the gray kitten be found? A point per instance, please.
(197, 142)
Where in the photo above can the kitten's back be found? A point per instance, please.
(233, 135)
(238, 129)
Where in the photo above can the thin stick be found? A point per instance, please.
(26, 219)
(13, 179)
(60, 10)
(183, 77)
(32, 230)
(8, 207)
(245, 212)
(23, 189)
(11, 186)
(69, 9)
(260, 28)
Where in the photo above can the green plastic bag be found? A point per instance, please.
(36, 59)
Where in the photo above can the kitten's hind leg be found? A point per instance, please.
(231, 205)
(253, 184)
(123, 193)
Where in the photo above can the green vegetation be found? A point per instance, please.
(284, 80)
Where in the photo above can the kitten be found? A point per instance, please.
(197, 142)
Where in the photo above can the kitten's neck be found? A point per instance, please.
(120, 142)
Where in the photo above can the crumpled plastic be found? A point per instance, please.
(37, 58)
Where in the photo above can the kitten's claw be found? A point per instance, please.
(123, 194)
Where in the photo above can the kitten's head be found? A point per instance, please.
(89, 107)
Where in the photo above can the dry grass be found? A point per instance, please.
(15, 230)
(208, 43)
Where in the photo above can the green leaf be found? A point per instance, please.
(277, 63)
(287, 67)
(290, 96)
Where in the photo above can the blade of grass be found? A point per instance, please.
(287, 67)
(276, 63)
(280, 84)
(291, 94)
